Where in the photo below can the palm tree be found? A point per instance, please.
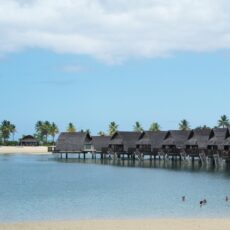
(71, 128)
(13, 130)
(39, 128)
(101, 133)
(113, 127)
(46, 129)
(223, 122)
(53, 130)
(6, 129)
(42, 129)
(155, 127)
(184, 125)
(137, 127)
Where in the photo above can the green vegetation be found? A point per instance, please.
(53, 130)
(101, 133)
(44, 129)
(138, 127)
(113, 128)
(6, 130)
(71, 128)
(203, 127)
(184, 125)
(155, 127)
(223, 122)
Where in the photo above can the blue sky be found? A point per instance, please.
(91, 62)
(42, 85)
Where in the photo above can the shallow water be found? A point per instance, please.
(42, 187)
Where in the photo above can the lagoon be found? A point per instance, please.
(42, 187)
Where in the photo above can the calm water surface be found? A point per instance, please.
(45, 188)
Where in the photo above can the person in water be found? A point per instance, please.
(226, 198)
(201, 203)
(183, 198)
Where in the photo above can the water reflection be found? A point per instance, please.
(176, 165)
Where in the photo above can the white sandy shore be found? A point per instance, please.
(24, 149)
(158, 224)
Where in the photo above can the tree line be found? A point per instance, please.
(45, 129)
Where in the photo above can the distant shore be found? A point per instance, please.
(159, 224)
(24, 149)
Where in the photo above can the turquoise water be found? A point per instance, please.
(45, 188)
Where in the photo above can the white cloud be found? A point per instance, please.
(113, 30)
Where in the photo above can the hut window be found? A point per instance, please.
(213, 147)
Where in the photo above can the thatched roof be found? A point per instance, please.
(100, 142)
(155, 139)
(199, 137)
(127, 139)
(227, 142)
(28, 139)
(218, 137)
(73, 141)
(177, 138)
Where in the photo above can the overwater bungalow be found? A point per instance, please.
(124, 142)
(226, 153)
(216, 145)
(29, 140)
(217, 138)
(101, 143)
(175, 142)
(227, 142)
(150, 143)
(205, 144)
(74, 142)
(197, 141)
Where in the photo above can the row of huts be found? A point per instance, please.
(191, 143)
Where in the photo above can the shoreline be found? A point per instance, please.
(24, 150)
(159, 224)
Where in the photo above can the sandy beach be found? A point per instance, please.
(23, 149)
(162, 224)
